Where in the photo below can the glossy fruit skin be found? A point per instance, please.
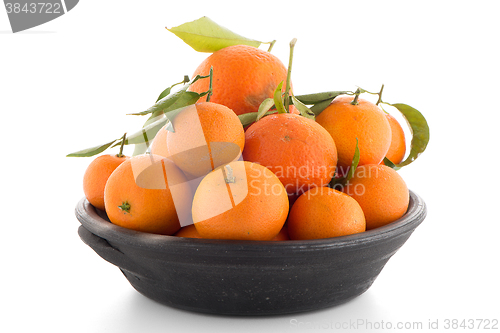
(139, 195)
(243, 77)
(298, 150)
(241, 200)
(324, 213)
(97, 174)
(397, 149)
(381, 192)
(365, 121)
(206, 135)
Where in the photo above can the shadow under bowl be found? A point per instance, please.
(229, 277)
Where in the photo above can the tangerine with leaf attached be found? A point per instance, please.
(365, 121)
(397, 149)
(205, 136)
(243, 77)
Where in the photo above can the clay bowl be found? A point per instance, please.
(247, 277)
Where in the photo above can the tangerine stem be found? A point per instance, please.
(380, 95)
(125, 207)
(289, 74)
(120, 153)
(271, 44)
(355, 100)
(210, 84)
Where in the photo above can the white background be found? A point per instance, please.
(68, 84)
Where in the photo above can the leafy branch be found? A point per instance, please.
(168, 105)
(204, 35)
(418, 128)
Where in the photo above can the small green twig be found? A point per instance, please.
(380, 95)
(210, 84)
(289, 74)
(120, 153)
(355, 100)
(271, 44)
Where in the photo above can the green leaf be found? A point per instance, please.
(251, 117)
(354, 163)
(320, 106)
(179, 99)
(388, 163)
(168, 104)
(342, 181)
(247, 118)
(303, 109)
(265, 106)
(204, 35)
(320, 101)
(140, 149)
(164, 93)
(311, 99)
(146, 134)
(172, 102)
(92, 151)
(143, 148)
(419, 129)
(278, 100)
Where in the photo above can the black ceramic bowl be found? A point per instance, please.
(247, 277)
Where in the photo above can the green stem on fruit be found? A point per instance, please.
(271, 44)
(380, 95)
(120, 153)
(210, 84)
(355, 100)
(125, 207)
(289, 74)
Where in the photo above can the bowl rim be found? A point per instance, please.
(93, 222)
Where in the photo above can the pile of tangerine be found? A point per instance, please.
(213, 178)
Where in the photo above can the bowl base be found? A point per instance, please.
(226, 306)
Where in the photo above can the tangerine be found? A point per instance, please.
(140, 195)
(381, 192)
(240, 200)
(364, 121)
(323, 212)
(397, 149)
(97, 174)
(243, 77)
(297, 149)
(206, 135)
